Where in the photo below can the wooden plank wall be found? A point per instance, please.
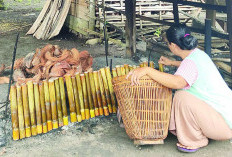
(79, 17)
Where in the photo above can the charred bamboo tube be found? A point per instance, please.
(161, 68)
(126, 67)
(43, 107)
(85, 96)
(48, 105)
(38, 109)
(20, 113)
(52, 93)
(77, 102)
(93, 92)
(80, 94)
(91, 105)
(130, 67)
(14, 113)
(123, 71)
(106, 87)
(118, 69)
(63, 101)
(152, 64)
(98, 92)
(111, 90)
(103, 94)
(26, 110)
(32, 107)
(114, 72)
(72, 106)
(58, 103)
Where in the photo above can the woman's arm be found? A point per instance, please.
(168, 80)
(166, 61)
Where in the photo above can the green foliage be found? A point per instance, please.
(1, 5)
(157, 32)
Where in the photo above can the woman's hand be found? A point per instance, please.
(165, 61)
(136, 74)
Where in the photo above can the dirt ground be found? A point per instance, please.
(100, 136)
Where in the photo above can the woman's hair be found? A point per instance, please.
(180, 35)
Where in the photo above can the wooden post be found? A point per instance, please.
(211, 14)
(176, 11)
(130, 27)
(229, 25)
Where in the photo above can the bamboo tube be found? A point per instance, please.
(26, 110)
(48, 105)
(14, 113)
(43, 107)
(20, 113)
(98, 92)
(123, 71)
(145, 64)
(161, 68)
(118, 69)
(126, 67)
(111, 90)
(85, 96)
(141, 64)
(106, 87)
(94, 94)
(38, 109)
(104, 101)
(77, 102)
(80, 94)
(58, 103)
(52, 94)
(63, 101)
(72, 106)
(32, 107)
(130, 67)
(114, 72)
(91, 105)
(152, 64)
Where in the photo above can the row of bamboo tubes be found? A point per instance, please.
(39, 108)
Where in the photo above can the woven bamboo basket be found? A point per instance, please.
(145, 109)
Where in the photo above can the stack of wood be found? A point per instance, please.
(3, 79)
(51, 61)
(51, 19)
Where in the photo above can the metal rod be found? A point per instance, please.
(11, 73)
(111, 64)
(208, 33)
(105, 32)
(149, 59)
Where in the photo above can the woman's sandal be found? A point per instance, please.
(185, 149)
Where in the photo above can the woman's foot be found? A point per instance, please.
(186, 149)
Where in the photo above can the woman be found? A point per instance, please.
(202, 105)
